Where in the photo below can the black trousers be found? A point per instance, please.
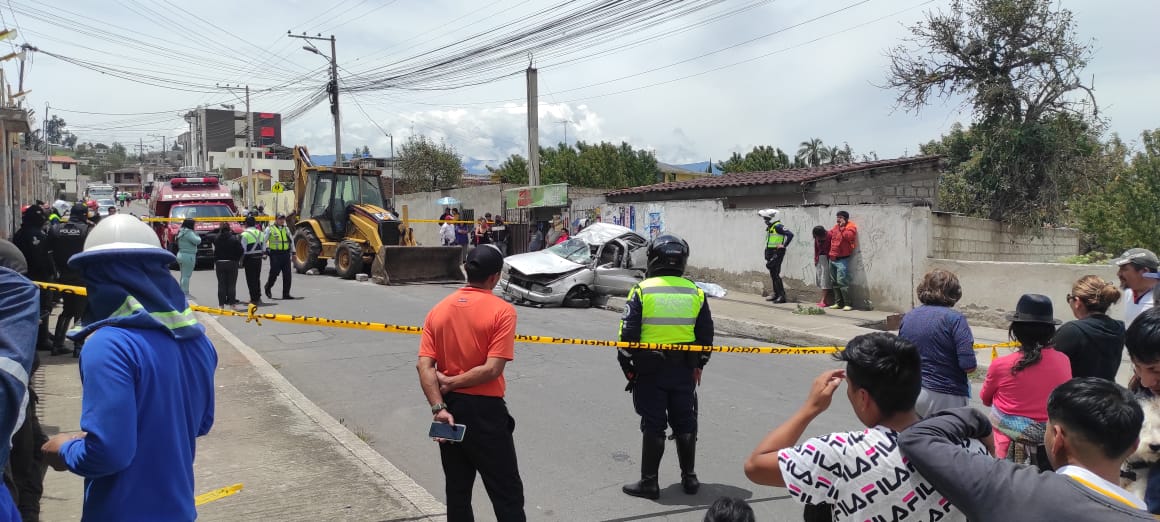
(26, 466)
(253, 265)
(47, 301)
(279, 263)
(666, 397)
(773, 259)
(227, 279)
(73, 309)
(487, 448)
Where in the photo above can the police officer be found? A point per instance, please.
(253, 249)
(66, 240)
(777, 238)
(665, 308)
(32, 241)
(278, 248)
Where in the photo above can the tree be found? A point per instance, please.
(841, 155)
(1017, 62)
(813, 152)
(761, 158)
(427, 165)
(1123, 214)
(603, 165)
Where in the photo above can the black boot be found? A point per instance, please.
(652, 449)
(687, 456)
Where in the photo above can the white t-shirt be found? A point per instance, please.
(864, 476)
(1133, 308)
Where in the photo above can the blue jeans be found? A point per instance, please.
(840, 276)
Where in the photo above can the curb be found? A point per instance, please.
(409, 491)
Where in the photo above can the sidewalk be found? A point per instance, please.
(294, 460)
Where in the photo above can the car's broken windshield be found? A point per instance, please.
(574, 250)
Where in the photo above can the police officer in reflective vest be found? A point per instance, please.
(777, 238)
(253, 248)
(278, 248)
(665, 308)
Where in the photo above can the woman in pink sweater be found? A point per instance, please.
(1017, 385)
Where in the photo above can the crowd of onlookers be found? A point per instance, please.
(1060, 439)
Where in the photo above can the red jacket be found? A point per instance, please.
(843, 240)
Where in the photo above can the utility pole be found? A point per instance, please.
(332, 88)
(48, 152)
(565, 124)
(252, 199)
(533, 128)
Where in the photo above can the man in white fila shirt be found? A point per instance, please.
(1138, 276)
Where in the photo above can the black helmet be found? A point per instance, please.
(667, 255)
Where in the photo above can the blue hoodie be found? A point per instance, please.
(147, 375)
(19, 316)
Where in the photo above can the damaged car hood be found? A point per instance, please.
(541, 263)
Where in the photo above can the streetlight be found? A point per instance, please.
(226, 106)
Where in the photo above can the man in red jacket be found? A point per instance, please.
(843, 241)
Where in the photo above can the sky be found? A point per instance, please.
(786, 71)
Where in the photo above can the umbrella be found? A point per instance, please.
(448, 200)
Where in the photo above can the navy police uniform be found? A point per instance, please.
(666, 309)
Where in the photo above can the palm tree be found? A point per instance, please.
(813, 152)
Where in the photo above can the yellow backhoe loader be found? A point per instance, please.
(341, 216)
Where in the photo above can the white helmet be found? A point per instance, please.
(769, 213)
(121, 232)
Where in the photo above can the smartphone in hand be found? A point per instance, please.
(450, 432)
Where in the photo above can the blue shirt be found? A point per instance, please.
(147, 377)
(947, 347)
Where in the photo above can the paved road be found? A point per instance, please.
(577, 437)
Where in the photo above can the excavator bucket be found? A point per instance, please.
(412, 264)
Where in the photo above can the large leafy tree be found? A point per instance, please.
(761, 158)
(428, 165)
(813, 152)
(601, 165)
(1124, 213)
(1018, 64)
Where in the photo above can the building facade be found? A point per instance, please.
(215, 131)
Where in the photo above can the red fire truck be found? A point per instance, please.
(193, 198)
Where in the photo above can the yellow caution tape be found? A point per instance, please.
(250, 315)
(442, 221)
(215, 219)
(216, 494)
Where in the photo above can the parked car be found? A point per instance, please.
(601, 260)
(103, 206)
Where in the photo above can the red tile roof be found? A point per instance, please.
(60, 159)
(772, 177)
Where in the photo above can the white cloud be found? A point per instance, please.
(823, 89)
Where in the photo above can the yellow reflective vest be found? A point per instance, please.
(772, 238)
(669, 309)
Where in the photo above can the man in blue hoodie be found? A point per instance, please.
(18, 324)
(147, 377)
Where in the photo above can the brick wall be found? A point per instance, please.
(971, 239)
(894, 186)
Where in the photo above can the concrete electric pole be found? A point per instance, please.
(533, 128)
(332, 88)
(252, 199)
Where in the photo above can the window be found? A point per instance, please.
(66, 166)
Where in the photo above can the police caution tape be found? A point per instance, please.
(214, 219)
(250, 315)
(216, 494)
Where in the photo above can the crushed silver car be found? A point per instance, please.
(601, 260)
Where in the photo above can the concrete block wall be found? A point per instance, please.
(991, 289)
(973, 239)
(727, 246)
(896, 186)
(421, 205)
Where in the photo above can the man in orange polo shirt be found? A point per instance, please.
(467, 340)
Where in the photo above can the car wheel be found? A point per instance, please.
(578, 297)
